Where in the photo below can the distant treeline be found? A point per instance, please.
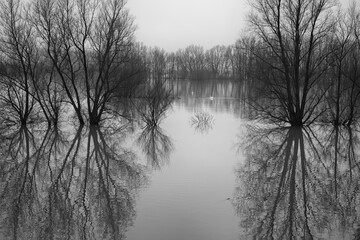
(193, 62)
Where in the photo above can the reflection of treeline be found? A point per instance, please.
(227, 96)
(299, 183)
(69, 183)
(80, 183)
(62, 185)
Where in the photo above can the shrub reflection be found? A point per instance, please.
(202, 122)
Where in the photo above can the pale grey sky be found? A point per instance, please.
(174, 24)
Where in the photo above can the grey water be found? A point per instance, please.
(189, 197)
(203, 171)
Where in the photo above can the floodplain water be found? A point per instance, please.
(190, 196)
(193, 168)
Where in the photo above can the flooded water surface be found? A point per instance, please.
(189, 197)
(194, 168)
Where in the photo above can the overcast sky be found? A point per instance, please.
(174, 24)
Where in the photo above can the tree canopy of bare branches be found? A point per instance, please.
(89, 43)
(294, 53)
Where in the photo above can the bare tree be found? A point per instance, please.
(216, 61)
(158, 63)
(293, 32)
(54, 21)
(344, 90)
(112, 41)
(19, 55)
(89, 42)
(192, 61)
(242, 59)
(171, 66)
(49, 92)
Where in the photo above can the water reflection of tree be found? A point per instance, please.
(202, 122)
(228, 96)
(52, 187)
(156, 145)
(295, 185)
(154, 142)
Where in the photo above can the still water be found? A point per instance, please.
(188, 197)
(190, 169)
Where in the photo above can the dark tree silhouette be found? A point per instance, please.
(19, 61)
(90, 43)
(293, 35)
